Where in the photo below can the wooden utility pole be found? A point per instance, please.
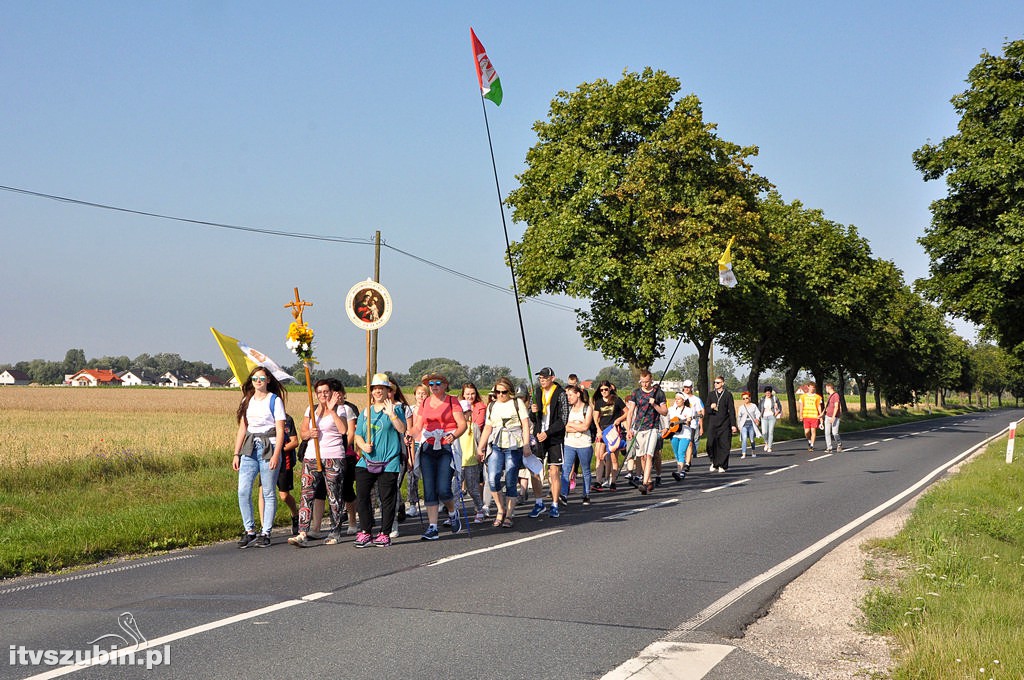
(373, 334)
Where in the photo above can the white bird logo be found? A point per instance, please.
(126, 621)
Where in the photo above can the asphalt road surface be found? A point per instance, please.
(572, 597)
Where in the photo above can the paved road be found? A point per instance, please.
(574, 597)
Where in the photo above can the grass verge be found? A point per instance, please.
(957, 611)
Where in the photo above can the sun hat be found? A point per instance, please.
(380, 380)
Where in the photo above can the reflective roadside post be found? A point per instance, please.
(1009, 443)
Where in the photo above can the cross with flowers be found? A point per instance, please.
(300, 341)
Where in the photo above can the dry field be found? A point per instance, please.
(42, 425)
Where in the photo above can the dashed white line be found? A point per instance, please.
(870, 443)
(775, 472)
(811, 460)
(889, 439)
(852, 448)
(452, 558)
(634, 511)
(102, 572)
(726, 486)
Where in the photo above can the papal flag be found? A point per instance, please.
(242, 358)
(490, 83)
(726, 277)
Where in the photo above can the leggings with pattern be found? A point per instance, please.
(334, 477)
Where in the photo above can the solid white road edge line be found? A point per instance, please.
(676, 660)
(719, 605)
(452, 558)
(188, 632)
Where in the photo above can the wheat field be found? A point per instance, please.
(45, 425)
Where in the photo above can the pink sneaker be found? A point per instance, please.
(363, 539)
(382, 541)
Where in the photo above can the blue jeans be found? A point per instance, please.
(747, 434)
(248, 468)
(504, 463)
(570, 455)
(436, 467)
(768, 430)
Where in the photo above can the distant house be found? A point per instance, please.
(233, 383)
(14, 377)
(136, 378)
(207, 381)
(94, 377)
(672, 385)
(173, 379)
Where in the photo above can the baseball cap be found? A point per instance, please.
(687, 383)
(546, 372)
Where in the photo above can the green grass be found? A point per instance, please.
(959, 605)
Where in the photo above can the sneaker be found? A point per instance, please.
(295, 525)
(643, 488)
(686, 468)
(479, 518)
(553, 512)
(382, 541)
(430, 534)
(393, 534)
(586, 500)
(713, 469)
(634, 481)
(412, 511)
(563, 499)
(299, 540)
(721, 469)
(246, 540)
(351, 531)
(743, 455)
(261, 541)
(810, 446)
(363, 539)
(753, 455)
(456, 522)
(538, 508)
(599, 488)
(839, 448)
(334, 538)
(676, 476)
(612, 487)
(657, 481)
(447, 522)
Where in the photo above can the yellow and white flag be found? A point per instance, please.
(726, 277)
(242, 358)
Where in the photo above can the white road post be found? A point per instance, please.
(1009, 443)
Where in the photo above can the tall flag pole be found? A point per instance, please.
(490, 88)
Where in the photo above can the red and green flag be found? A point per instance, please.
(490, 84)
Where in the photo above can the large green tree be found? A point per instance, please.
(977, 231)
(629, 198)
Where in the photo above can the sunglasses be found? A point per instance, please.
(501, 391)
(435, 383)
(719, 382)
(259, 378)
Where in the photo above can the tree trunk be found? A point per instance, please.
(791, 372)
(703, 353)
(878, 400)
(755, 369)
(862, 388)
(841, 388)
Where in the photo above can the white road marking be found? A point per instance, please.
(811, 460)
(452, 558)
(634, 511)
(188, 632)
(726, 486)
(719, 605)
(852, 448)
(870, 443)
(889, 439)
(675, 660)
(102, 572)
(775, 472)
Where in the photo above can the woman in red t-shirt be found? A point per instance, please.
(440, 422)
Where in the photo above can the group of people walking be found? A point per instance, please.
(492, 450)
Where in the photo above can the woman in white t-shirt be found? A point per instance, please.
(328, 426)
(683, 413)
(579, 442)
(258, 447)
(506, 431)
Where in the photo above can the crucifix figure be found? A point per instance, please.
(297, 307)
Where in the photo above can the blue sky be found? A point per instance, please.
(343, 118)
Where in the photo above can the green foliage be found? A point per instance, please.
(977, 231)
(629, 198)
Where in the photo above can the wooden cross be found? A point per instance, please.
(297, 306)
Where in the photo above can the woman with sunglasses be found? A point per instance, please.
(329, 425)
(748, 419)
(610, 412)
(258, 444)
(506, 431)
(440, 421)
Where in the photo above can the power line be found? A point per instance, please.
(287, 234)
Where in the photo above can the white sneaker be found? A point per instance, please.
(351, 531)
(394, 533)
(412, 511)
(713, 469)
